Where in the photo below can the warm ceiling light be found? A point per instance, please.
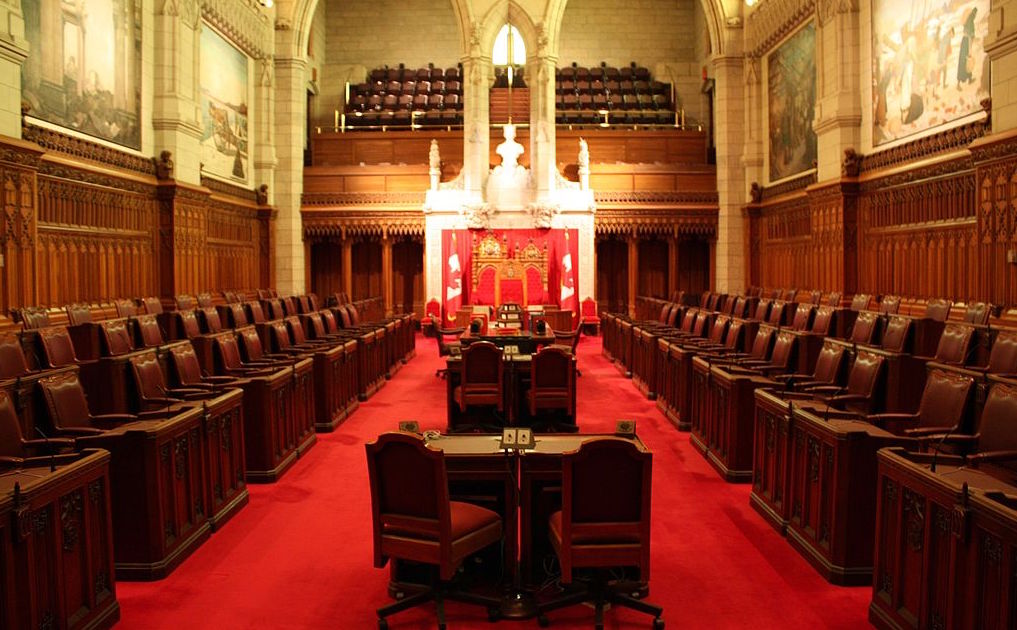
(748, 2)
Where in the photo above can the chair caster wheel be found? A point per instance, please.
(382, 624)
(543, 621)
(658, 624)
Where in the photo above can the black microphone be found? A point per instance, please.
(49, 447)
(939, 445)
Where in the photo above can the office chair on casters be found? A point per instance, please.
(552, 387)
(413, 519)
(481, 384)
(604, 523)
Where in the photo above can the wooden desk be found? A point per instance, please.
(946, 544)
(56, 546)
(480, 472)
(515, 385)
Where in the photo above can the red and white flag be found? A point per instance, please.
(453, 282)
(567, 290)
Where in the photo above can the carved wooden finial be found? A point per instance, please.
(263, 195)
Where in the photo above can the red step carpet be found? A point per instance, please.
(299, 556)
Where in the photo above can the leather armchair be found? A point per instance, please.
(829, 369)
(209, 319)
(152, 305)
(115, 338)
(897, 337)
(946, 405)
(188, 324)
(413, 519)
(15, 450)
(863, 393)
(604, 523)
(12, 358)
(803, 316)
(68, 408)
(482, 377)
(552, 381)
(785, 349)
(860, 302)
(996, 440)
(955, 344)
(147, 333)
(977, 313)
(188, 370)
(255, 314)
(890, 304)
(151, 384)
(226, 354)
(868, 328)
(938, 310)
(250, 345)
(57, 347)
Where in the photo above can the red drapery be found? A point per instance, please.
(562, 272)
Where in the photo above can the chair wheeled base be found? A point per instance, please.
(601, 594)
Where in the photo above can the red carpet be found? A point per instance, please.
(299, 556)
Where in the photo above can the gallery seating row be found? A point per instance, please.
(402, 73)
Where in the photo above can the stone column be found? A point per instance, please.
(1001, 46)
(731, 187)
(290, 106)
(13, 52)
(542, 132)
(264, 126)
(476, 122)
(633, 242)
(387, 290)
(838, 108)
(176, 115)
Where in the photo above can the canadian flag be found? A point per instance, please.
(454, 283)
(567, 289)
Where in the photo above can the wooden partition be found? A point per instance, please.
(927, 219)
(90, 223)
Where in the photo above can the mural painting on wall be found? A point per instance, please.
(224, 97)
(928, 64)
(83, 71)
(791, 87)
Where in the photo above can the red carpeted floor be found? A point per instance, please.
(299, 555)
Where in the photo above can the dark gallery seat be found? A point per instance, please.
(414, 520)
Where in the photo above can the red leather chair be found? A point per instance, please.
(13, 363)
(147, 333)
(482, 377)
(34, 317)
(226, 354)
(589, 316)
(828, 372)
(250, 344)
(57, 347)
(995, 443)
(209, 319)
(946, 405)
(955, 344)
(414, 519)
(78, 314)
(151, 385)
(15, 450)
(867, 328)
(448, 343)
(188, 324)
(604, 523)
(68, 408)
(978, 313)
(860, 302)
(864, 391)
(553, 384)
(115, 338)
(897, 337)
(188, 372)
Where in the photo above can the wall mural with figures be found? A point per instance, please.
(83, 71)
(928, 64)
(224, 97)
(791, 100)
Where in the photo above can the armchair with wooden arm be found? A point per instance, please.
(15, 450)
(68, 411)
(995, 443)
(945, 405)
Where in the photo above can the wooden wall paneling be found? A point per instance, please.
(612, 274)
(326, 267)
(653, 268)
(995, 161)
(366, 269)
(693, 271)
(408, 280)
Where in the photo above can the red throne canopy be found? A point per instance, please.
(509, 266)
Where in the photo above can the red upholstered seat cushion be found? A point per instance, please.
(590, 539)
(466, 519)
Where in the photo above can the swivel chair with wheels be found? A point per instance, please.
(553, 388)
(414, 520)
(604, 523)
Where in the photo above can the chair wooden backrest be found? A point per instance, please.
(409, 497)
(482, 366)
(605, 515)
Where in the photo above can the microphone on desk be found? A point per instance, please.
(49, 447)
(939, 446)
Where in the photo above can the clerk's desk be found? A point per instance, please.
(518, 348)
(480, 472)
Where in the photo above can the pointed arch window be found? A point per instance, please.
(509, 48)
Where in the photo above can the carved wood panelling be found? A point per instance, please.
(18, 165)
(701, 222)
(996, 220)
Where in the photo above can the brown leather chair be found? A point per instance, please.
(978, 313)
(552, 382)
(15, 450)
(823, 320)
(946, 405)
(151, 385)
(803, 316)
(829, 370)
(867, 329)
(604, 523)
(860, 302)
(413, 519)
(204, 300)
(897, 335)
(863, 393)
(78, 314)
(188, 371)
(250, 345)
(832, 299)
(57, 347)
(188, 324)
(995, 444)
(126, 308)
(255, 314)
(482, 377)
(68, 411)
(209, 319)
(236, 316)
(186, 302)
(115, 338)
(228, 362)
(785, 351)
(13, 363)
(153, 305)
(938, 310)
(147, 333)
(955, 344)
(890, 304)
(1003, 355)
(34, 317)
